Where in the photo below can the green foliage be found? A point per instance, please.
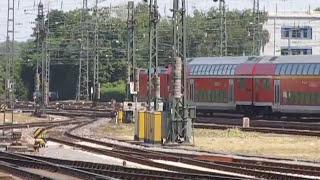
(317, 9)
(115, 90)
(65, 38)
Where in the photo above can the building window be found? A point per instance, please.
(296, 32)
(296, 50)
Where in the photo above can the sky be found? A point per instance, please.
(25, 10)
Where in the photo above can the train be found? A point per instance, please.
(250, 85)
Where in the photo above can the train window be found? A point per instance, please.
(294, 96)
(257, 83)
(265, 84)
(313, 99)
(285, 97)
(200, 70)
(289, 98)
(224, 71)
(216, 70)
(225, 97)
(208, 70)
(317, 70)
(311, 69)
(308, 97)
(289, 68)
(305, 69)
(241, 84)
(300, 68)
(212, 69)
(204, 69)
(229, 69)
(196, 70)
(220, 96)
(212, 96)
(294, 69)
(278, 68)
(192, 69)
(283, 69)
(233, 71)
(220, 69)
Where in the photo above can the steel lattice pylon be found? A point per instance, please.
(256, 30)
(223, 29)
(131, 49)
(10, 54)
(180, 122)
(153, 78)
(96, 85)
(46, 63)
(83, 81)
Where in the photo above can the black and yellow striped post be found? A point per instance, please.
(40, 138)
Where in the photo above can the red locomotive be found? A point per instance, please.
(251, 85)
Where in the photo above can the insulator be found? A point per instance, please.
(37, 82)
(177, 78)
(157, 88)
(128, 75)
(137, 79)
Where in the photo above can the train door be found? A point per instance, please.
(277, 94)
(263, 91)
(243, 93)
(191, 91)
(231, 91)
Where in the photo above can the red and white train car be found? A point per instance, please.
(255, 85)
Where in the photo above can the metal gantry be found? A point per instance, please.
(256, 30)
(223, 29)
(96, 84)
(180, 122)
(83, 81)
(153, 78)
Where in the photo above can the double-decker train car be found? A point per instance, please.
(256, 85)
(267, 85)
(165, 75)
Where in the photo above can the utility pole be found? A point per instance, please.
(46, 64)
(153, 78)
(83, 81)
(223, 29)
(9, 85)
(132, 70)
(96, 85)
(256, 36)
(180, 121)
(41, 37)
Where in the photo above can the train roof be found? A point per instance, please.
(300, 59)
(221, 60)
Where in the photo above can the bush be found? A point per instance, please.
(115, 90)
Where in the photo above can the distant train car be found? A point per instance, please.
(165, 82)
(270, 85)
(255, 85)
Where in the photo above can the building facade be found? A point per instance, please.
(293, 33)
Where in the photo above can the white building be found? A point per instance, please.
(293, 33)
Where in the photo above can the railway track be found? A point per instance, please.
(252, 168)
(240, 167)
(306, 128)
